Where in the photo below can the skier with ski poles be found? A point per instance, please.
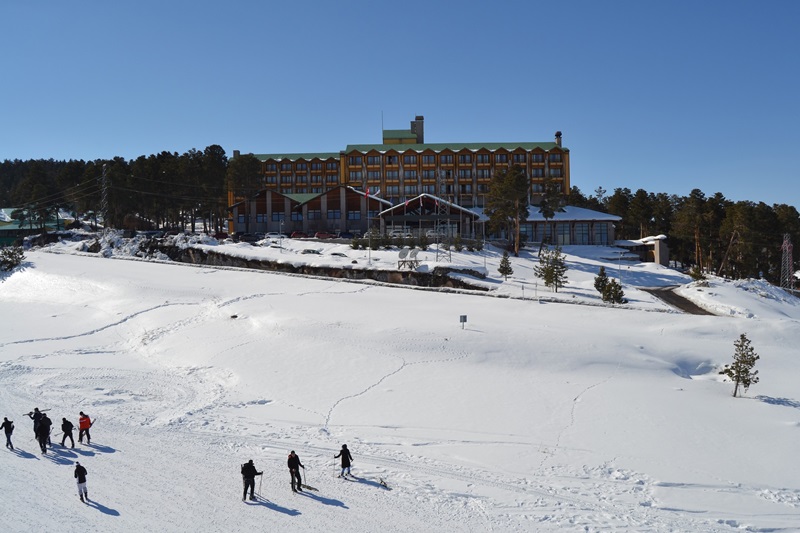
(347, 459)
(66, 428)
(8, 427)
(249, 474)
(84, 423)
(294, 471)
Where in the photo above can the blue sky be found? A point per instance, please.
(663, 96)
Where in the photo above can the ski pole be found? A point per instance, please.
(261, 478)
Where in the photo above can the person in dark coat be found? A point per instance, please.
(80, 478)
(294, 471)
(67, 427)
(347, 459)
(249, 474)
(44, 432)
(8, 427)
(36, 416)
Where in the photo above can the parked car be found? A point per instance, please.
(310, 251)
(250, 237)
(299, 235)
(436, 235)
(324, 235)
(402, 233)
(275, 235)
(346, 235)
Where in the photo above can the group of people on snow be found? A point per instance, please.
(249, 472)
(41, 430)
(42, 426)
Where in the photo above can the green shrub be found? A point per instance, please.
(11, 257)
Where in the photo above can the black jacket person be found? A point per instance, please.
(44, 432)
(346, 460)
(294, 471)
(67, 427)
(249, 474)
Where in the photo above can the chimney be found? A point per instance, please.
(418, 128)
(558, 138)
(236, 153)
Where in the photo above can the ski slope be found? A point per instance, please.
(538, 415)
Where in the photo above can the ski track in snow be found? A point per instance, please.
(601, 498)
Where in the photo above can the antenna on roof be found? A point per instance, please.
(381, 120)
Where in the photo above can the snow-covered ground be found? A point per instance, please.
(537, 415)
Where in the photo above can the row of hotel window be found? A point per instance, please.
(464, 173)
(446, 159)
(311, 214)
(357, 175)
(392, 191)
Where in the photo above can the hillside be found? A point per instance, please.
(538, 415)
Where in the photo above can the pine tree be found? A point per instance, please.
(505, 269)
(741, 371)
(601, 280)
(551, 268)
(612, 292)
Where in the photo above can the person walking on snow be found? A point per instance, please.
(346, 460)
(249, 474)
(80, 477)
(8, 427)
(67, 427)
(44, 432)
(84, 423)
(36, 416)
(294, 471)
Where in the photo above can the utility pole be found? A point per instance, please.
(104, 198)
(787, 263)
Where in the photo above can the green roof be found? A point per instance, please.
(301, 198)
(295, 157)
(399, 134)
(455, 147)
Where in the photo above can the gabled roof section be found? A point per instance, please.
(295, 157)
(438, 147)
(429, 199)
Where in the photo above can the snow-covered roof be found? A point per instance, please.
(566, 213)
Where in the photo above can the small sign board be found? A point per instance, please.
(463, 320)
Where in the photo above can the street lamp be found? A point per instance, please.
(280, 238)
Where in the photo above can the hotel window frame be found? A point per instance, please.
(410, 159)
(446, 159)
(464, 159)
(354, 160)
(483, 159)
(501, 158)
(428, 159)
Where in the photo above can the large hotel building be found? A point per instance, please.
(404, 166)
(407, 183)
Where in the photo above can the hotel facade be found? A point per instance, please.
(364, 185)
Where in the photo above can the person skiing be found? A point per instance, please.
(294, 471)
(67, 427)
(44, 432)
(8, 427)
(346, 460)
(249, 474)
(84, 423)
(36, 416)
(80, 477)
